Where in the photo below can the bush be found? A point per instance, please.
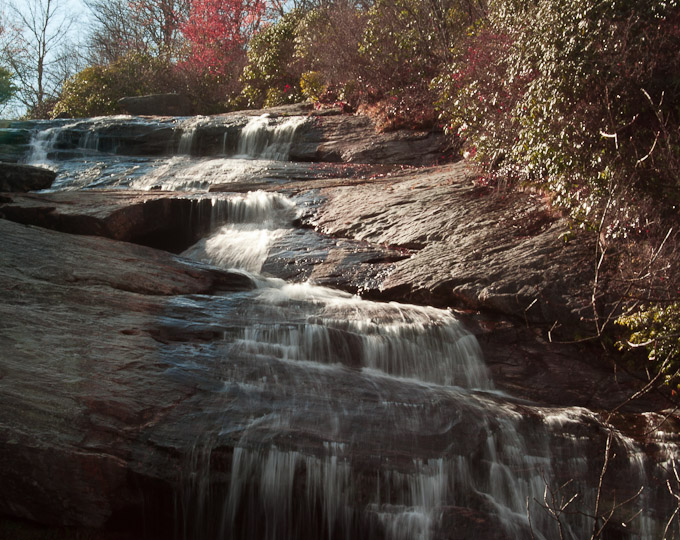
(405, 45)
(312, 85)
(580, 95)
(272, 74)
(95, 91)
(656, 329)
(327, 44)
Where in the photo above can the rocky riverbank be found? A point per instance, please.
(113, 342)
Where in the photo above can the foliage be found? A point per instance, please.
(312, 85)
(327, 44)
(217, 32)
(577, 94)
(407, 43)
(272, 74)
(7, 87)
(96, 90)
(87, 93)
(657, 329)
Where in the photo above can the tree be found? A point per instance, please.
(272, 75)
(44, 55)
(217, 32)
(150, 27)
(7, 88)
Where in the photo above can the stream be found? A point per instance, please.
(321, 415)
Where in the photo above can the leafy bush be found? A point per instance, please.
(406, 44)
(657, 329)
(88, 93)
(96, 90)
(580, 95)
(312, 85)
(272, 74)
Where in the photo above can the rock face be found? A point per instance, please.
(353, 139)
(134, 394)
(161, 220)
(431, 237)
(23, 178)
(169, 398)
(73, 408)
(470, 247)
(157, 104)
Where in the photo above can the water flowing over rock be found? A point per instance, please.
(227, 391)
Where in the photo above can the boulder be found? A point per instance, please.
(160, 220)
(354, 139)
(157, 105)
(22, 178)
(470, 246)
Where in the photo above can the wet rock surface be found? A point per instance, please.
(22, 178)
(80, 367)
(161, 220)
(432, 238)
(164, 395)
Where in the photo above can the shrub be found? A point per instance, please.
(578, 95)
(96, 90)
(327, 44)
(312, 85)
(406, 44)
(657, 329)
(272, 74)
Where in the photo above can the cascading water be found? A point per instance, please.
(95, 153)
(319, 415)
(367, 420)
(264, 138)
(41, 145)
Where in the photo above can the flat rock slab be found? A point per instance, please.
(22, 178)
(472, 247)
(164, 220)
(78, 378)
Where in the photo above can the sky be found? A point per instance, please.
(78, 33)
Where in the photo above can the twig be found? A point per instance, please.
(603, 471)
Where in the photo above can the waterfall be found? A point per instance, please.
(378, 420)
(311, 413)
(188, 130)
(254, 222)
(42, 144)
(266, 138)
(91, 153)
